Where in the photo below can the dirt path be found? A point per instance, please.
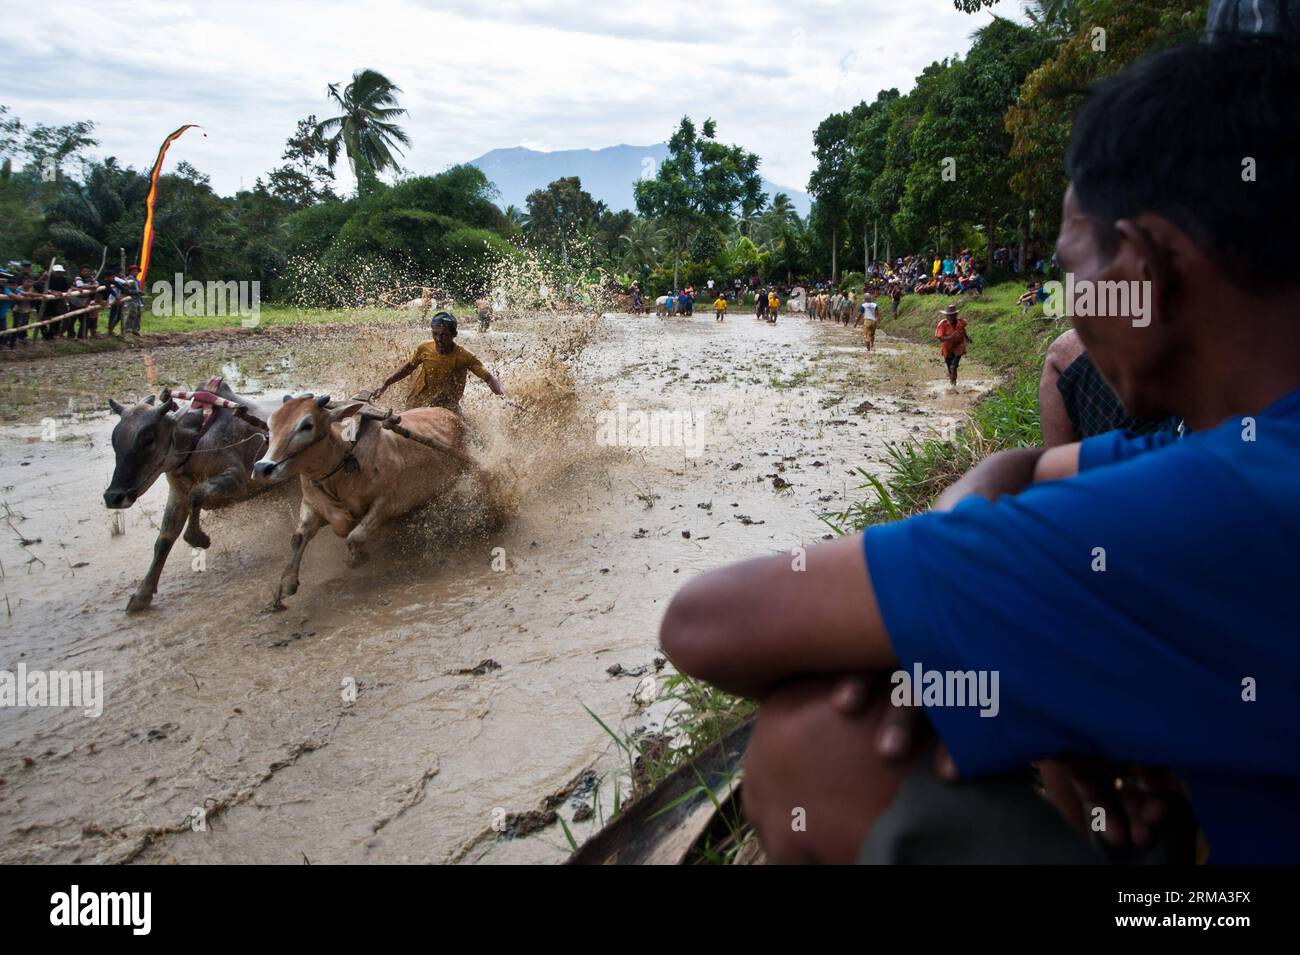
(212, 703)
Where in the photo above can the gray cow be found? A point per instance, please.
(205, 467)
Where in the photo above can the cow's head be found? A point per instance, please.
(142, 444)
(295, 427)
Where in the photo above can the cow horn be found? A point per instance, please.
(150, 399)
(287, 399)
(115, 407)
(322, 401)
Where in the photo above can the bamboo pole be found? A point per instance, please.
(57, 318)
(70, 293)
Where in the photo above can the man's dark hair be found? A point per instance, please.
(1172, 134)
(443, 318)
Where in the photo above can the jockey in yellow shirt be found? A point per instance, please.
(442, 368)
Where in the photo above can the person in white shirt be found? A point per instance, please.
(870, 319)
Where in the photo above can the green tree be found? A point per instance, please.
(419, 229)
(1039, 122)
(193, 225)
(643, 246)
(516, 216)
(698, 185)
(783, 237)
(306, 178)
(365, 128)
(830, 181)
(885, 194)
(868, 141)
(560, 216)
(961, 151)
(106, 211)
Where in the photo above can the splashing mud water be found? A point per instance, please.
(428, 706)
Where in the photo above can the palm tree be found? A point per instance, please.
(364, 128)
(516, 217)
(780, 218)
(1055, 18)
(84, 218)
(783, 236)
(782, 207)
(643, 246)
(745, 220)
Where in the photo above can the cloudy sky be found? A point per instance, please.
(475, 74)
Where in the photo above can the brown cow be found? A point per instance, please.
(355, 475)
(205, 468)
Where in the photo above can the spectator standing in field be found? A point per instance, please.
(22, 311)
(114, 297)
(87, 322)
(58, 305)
(132, 302)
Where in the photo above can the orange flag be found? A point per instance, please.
(146, 240)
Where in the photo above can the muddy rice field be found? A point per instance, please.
(431, 705)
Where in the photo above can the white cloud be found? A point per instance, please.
(559, 74)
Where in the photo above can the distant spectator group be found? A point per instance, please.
(53, 306)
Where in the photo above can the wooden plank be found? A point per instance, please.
(649, 833)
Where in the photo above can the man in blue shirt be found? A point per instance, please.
(1125, 600)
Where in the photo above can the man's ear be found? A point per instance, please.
(346, 411)
(1156, 251)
